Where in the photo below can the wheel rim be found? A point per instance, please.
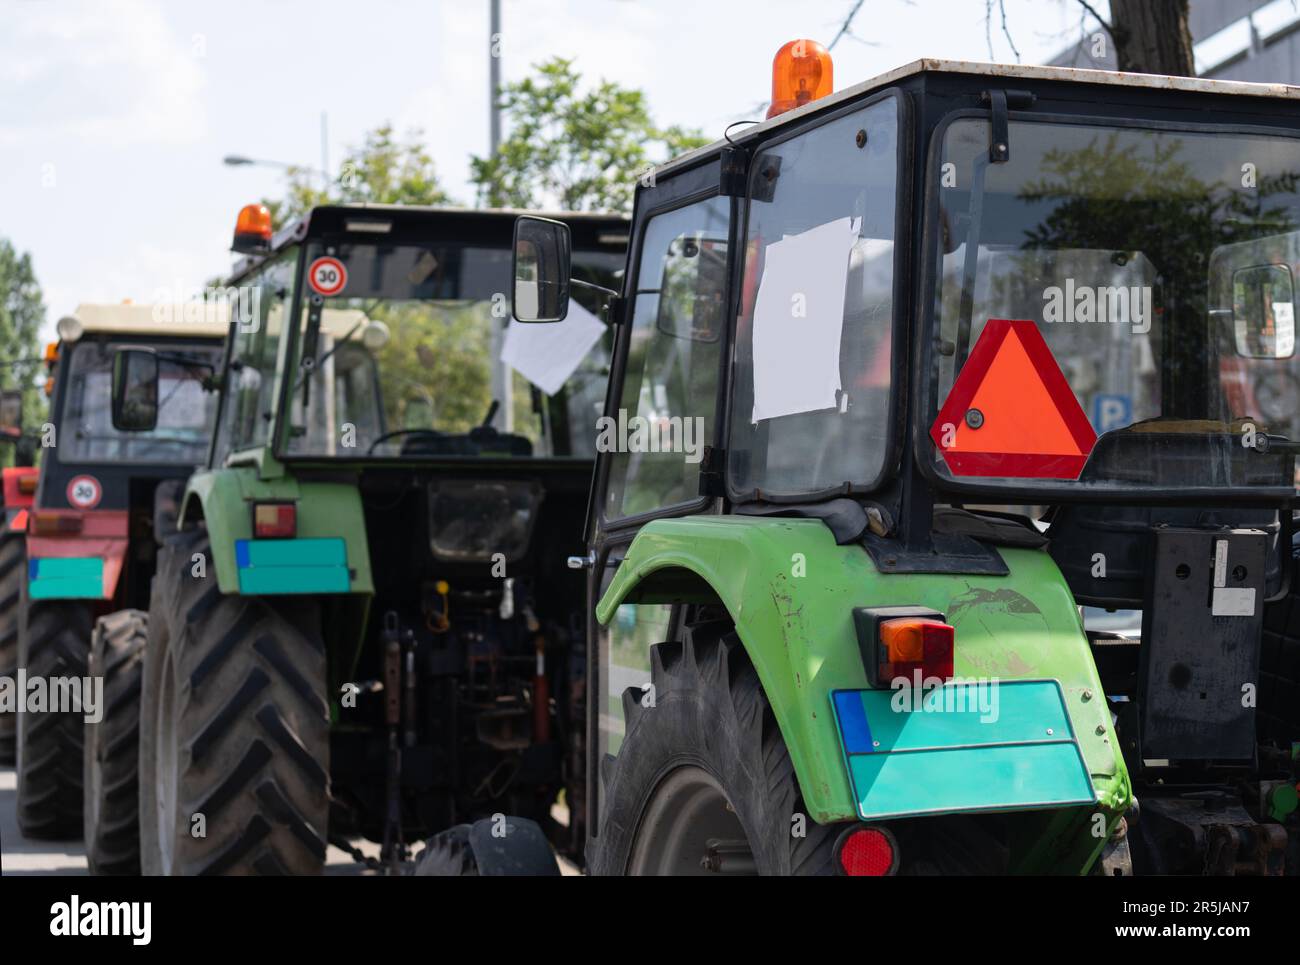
(165, 769)
(689, 828)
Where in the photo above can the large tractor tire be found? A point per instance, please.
(112, 754)
(704, 773)
(53, 642)
(13, 571)
(234, 742)
(704, 783)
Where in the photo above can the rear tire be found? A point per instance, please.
(447, 855)
(53, 641)
(234, 743)
(706, 762)
(112, 753)
(13, 570)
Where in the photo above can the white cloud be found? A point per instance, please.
(110, 74)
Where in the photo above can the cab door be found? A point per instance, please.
(662, 411)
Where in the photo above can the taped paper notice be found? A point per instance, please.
(798, 320)
(548, 353)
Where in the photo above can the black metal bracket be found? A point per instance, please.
(733, 172)
(999, 136)
(712, 467)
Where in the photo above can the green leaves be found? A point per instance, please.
(573, 150)
(383, 170)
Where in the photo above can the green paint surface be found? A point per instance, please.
(326, 510)
(798, 632)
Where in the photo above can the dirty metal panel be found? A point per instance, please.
(965, 746)
(1201, 628)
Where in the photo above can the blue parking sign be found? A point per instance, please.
(1111, 412)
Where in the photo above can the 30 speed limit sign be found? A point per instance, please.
(84, 492)
(327, 276)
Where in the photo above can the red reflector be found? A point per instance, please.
(274, 520)
(866, 852)
(911, 644)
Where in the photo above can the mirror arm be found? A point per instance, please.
(613, 304)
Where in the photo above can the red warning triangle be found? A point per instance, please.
(1011, 413)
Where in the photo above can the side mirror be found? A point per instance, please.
(11, 411)
(135, 390)
(1263, 312)
(542, 256)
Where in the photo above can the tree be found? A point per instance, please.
(1151, 36)
(22, 311)
(381, 171)
(573, 150)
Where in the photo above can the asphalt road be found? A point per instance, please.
(19, 856)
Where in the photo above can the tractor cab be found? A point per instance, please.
(385, 624)
(984, 534)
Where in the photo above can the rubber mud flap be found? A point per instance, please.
(521, 850)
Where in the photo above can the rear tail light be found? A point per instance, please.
(275, 520)
(866, 851)
(909, 644)
(27, 485)
(53, 524)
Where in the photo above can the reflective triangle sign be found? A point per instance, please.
(1011, 412)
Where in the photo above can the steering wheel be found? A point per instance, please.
(401, 432)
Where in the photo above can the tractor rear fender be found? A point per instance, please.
(791, 592)
(327, 554)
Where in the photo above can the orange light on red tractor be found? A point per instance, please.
(27, 484)
(275, 520)
(53, 524)
(801, 73)
(252, 229)
(866, 851)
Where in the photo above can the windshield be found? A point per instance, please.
(409, 351)
(185, 409)
(1115, 308)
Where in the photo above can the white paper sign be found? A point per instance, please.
(798, 320)
(547, 353)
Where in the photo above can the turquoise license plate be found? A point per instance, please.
(964, 746)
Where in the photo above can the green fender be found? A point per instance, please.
(790, 591)
(326, 511)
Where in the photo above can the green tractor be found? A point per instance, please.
(364, 627)
(943, 515)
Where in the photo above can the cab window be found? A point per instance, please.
(666, 408)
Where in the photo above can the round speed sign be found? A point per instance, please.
(327, 276)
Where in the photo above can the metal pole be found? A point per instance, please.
(494, 77)
(502, 376)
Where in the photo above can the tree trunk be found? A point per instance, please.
(1152, 36)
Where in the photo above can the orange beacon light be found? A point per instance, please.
(801, 73)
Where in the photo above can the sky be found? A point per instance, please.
(115, 114)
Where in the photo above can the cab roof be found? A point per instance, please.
(165, 319)
(1073, 75)
(455, 221)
